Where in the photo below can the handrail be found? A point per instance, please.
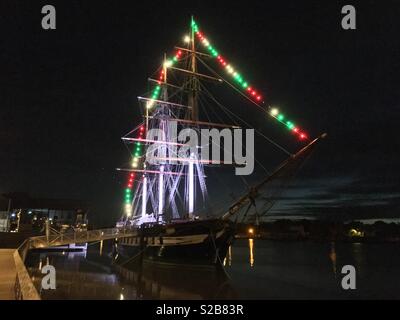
(80, 237)
(24, 287)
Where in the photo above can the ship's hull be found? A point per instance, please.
(201, 242)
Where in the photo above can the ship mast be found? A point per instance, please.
(161, 175)
(193, 89)
(193, 79)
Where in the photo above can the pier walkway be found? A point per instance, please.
(61, 239)
(15, 282)
(7, 275)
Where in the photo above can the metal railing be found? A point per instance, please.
(60, 239)
(24, 287)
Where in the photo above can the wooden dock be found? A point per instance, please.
(7, 275)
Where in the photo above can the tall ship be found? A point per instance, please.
(166, 197)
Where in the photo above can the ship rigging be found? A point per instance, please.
(168, 197)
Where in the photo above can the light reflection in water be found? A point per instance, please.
(332, 256)
(251, 246)
(228, 258)
(101, 247)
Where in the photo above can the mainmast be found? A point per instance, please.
(193, 90)
(161, 175)
(193, 87)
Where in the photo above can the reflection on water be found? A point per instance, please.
(332, 256)
(101, 249)
(251, 249)
(228, 258)
(97, 275)
(291, 270)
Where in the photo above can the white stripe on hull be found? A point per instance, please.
(168, 241)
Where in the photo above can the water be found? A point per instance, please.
(254, 269)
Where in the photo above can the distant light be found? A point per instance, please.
(186, 39)
(121, 297)
(274, 112)
(251, 231)
(29, 212)
(13, 215)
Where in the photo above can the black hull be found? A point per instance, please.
(203, 242)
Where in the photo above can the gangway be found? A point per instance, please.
(61, 239)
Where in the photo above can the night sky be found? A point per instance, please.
(68, 95)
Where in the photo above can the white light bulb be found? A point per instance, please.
(128, 209)
(149, 104)
(186, 39)
(168, 63)
(274, 112)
